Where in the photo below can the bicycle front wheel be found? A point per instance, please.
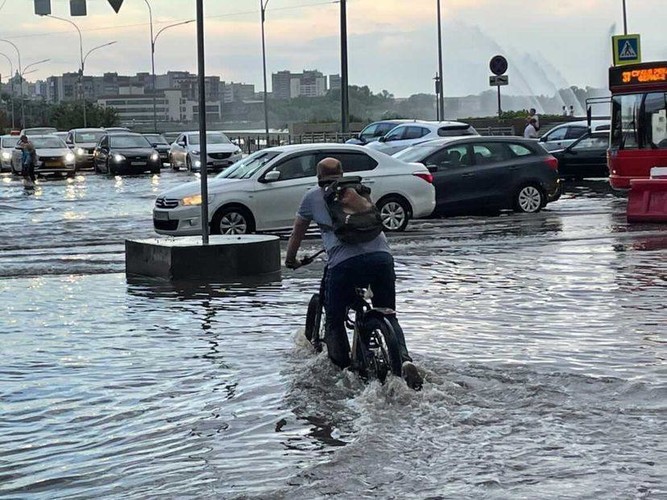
(383, 355)
(314, 322)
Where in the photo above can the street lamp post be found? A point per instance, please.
(83, 95)
(11, 73)
(344, 96)
(262, 6)
(20, 72)
(25, 72)
(441, 96)
(153, 40)
(625, 20)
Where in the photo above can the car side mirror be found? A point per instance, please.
(382, 139)
(272, 176)
(181, 143)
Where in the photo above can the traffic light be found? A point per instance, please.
(43, 7)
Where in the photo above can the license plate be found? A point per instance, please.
(52, 164)
(138, 163)
(161, 215)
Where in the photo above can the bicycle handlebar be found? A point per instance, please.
(309, 259)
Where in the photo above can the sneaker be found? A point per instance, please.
(411, 375)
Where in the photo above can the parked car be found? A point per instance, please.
(373, 131)
(83, 141)
(61, 135)
(409, 134)
(221, 152)
(262, 192)
(126, 153)
(585, 157)
(7, 144)
(563, 135)
(116, 129)
(480, 174)
(53, 157)
(160, 144)
(38, 131)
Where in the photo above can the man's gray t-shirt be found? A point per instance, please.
(314, 208)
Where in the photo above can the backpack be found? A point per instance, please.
(354, 216)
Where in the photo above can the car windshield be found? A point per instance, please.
(88, 136)
(128, 141)
(9, 142)
(47, 142)
(211, 138)
(247, 167)
(35, 131)
(416, 153)
(156, 139)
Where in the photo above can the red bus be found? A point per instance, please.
(638, 121)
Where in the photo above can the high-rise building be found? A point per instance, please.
(334, 82)
(287, 85)
(236, 92)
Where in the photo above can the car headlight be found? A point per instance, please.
(155, 156)
(6, 155)
(237, 152)
(118, 158)
(80, 151)
(197, 164)
(190, 201)
(69, 158)
(195, 152)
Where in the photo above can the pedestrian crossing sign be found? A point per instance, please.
(627, 49)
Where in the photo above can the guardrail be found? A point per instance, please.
(250, 143)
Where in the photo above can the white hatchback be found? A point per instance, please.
(409, 134)
(262, 192)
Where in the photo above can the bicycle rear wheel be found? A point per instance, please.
(313, 329)
(382, 355)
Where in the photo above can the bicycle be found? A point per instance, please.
(375, 351)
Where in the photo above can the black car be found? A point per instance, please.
(479, 174)
(585, 157)
(126, 153)
(160, 144)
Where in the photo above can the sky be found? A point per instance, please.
(392, 44)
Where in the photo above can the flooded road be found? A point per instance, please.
(543, 338)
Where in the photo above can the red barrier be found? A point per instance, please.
(647, 200)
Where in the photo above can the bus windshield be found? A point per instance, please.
(639, 121)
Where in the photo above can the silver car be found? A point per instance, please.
(53, 157)
(408, 134)
(221, 152)
(563, 135)
(7, 144)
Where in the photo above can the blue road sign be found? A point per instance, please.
(627, 49)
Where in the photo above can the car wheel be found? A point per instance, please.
(111, 170)
(155, 170)
(172, 163)
(529, 199)
(188, 163)
(232, 220)
(395, 213)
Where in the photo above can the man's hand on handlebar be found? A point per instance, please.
(292, 263)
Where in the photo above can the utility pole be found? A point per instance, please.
(625, 20)
(262, 6)
(11, 77)
(21, 77)
(201, 80)
(441, 97)
(344, 96)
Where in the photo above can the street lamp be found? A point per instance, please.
(25, 72)
(441, 95)
(20, 72)
(11, 73)
(153, 40)
(262, 6)
(344, 96)
(625, 20)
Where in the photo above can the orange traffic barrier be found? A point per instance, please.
(647, 200)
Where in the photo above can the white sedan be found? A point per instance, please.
(262, 192)
(221, 152)
(408, 134)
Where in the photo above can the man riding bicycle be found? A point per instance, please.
(349, 266)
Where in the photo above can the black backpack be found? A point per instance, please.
(350, 226)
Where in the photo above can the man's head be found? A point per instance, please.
(328, 170)
(23, 138)
(532, 111)
(533, 121)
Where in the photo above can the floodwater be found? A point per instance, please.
(542, 337)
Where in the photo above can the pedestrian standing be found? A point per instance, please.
(571, 110)
(530, 132)
(532, 114)
(564, 110)
(28, 160)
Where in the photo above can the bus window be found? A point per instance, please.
(625, 112)
(655, 120)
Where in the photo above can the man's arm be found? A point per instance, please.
(295, 239)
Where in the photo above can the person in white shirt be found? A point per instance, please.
(533, 114)
(530, 132)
